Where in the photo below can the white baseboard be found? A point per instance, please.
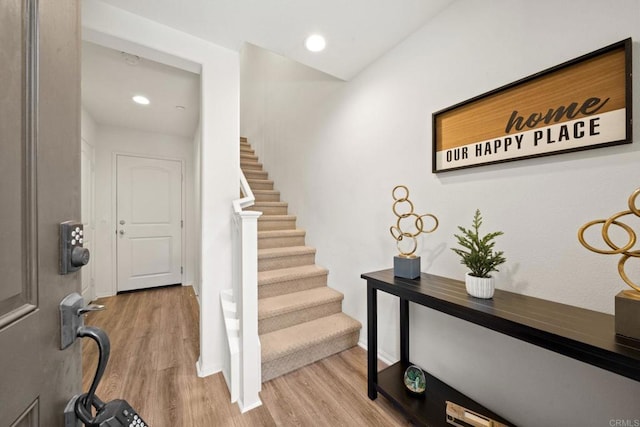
(384, 357)
(249, 407)
(205, 371)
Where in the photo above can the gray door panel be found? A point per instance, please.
(39, 188)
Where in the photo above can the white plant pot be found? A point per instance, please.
(479, 287)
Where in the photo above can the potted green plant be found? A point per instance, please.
(478, 255)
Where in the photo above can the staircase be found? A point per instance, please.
(300, 318)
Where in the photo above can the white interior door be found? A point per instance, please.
(149, 222)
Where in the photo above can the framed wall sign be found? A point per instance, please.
(582, 104)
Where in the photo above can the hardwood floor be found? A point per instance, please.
(154, 349)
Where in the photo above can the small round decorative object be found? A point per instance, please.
(415, 380)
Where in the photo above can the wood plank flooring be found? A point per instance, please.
(154, 349)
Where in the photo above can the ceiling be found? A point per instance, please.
(110, 79)
(357, 33)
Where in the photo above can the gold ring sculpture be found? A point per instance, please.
(397, 231)
(625, 250)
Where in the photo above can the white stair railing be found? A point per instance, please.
(242, 370)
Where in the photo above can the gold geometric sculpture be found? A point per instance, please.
(402, 198)
(625, 250)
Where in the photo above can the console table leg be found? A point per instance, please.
(404, 331)
(372, 342)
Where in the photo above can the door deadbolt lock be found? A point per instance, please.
(73, 255)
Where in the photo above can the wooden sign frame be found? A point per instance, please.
(581, 104)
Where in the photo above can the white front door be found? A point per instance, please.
(149, 222)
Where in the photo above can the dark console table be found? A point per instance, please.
(584, 335)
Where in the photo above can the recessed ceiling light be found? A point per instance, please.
(142, 100)
(315, 43)
(180, 107)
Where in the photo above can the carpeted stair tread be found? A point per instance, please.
(267, 234)
(250, 166)
(295, 301)
(296, 338)
(260, 184)
(268, 218)
(280, 238)
(266, 192)
(270, 208)
(249, 160)
(290, 274)
(282, 281)
(255, 174)
(293, 308)
(267, 195)
(287, 251)
(284, 257)
(269, 204)
(277, 222)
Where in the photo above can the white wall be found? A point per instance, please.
(88, 127)
(219, 74)
(336, 150)
(196, 218)
(112, 140)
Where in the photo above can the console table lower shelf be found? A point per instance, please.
(429, 409)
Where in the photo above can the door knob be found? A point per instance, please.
(79, 256)
(121, 232)
(89, 308)
(72, 308)
(122, 222)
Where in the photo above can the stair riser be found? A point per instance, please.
(291, 362)
(289, 286)
(248, 157)
(252, 174)
(250, 166)
(280, 242)
(283, 224)
(269, 197)
(257, 185)
(269, 210)
(286, 262)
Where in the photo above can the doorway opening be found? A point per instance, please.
(165, 132)
(140, 197)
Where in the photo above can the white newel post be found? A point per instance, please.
(243, 366)
(250, 360)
